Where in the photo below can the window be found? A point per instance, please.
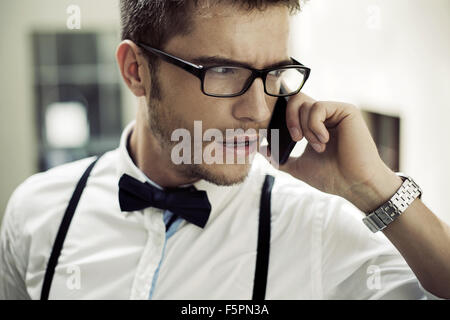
(77, 95)
(385, 131)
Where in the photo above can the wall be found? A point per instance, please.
(17, 113)
(390, 57)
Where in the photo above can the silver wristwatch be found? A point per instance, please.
(389, 211)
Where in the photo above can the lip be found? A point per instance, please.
(239, 149)
(233, 140)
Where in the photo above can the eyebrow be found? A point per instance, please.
(222, 61)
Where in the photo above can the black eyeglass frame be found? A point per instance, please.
(200, 71)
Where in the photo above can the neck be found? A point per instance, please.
(148, 155)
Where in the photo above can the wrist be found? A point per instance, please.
(371, 194)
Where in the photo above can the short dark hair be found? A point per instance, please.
(155, 22)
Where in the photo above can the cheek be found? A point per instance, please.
(212, 112)
(179, 83)
(181, 90)
(186, 102)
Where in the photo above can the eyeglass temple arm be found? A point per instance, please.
(186, 65)
(299, 63)
(308, 70)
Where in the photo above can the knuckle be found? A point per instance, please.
(305, 110)
(314, 126)
(351, 107)
(319, 105)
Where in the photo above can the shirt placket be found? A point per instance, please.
(151, 255)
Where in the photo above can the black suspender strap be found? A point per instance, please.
(263, 248)
(262, 256)
(62, 232)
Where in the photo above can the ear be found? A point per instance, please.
(133, 67)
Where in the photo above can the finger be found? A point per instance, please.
(301, 98)
(293, 121)
(308, 133)
(316, 123)
(292, 114)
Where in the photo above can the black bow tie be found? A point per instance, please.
(189, 203)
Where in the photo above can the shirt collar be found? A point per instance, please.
(216, 194)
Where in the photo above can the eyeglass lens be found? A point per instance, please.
(225, 81)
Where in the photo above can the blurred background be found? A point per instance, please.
(62, 98)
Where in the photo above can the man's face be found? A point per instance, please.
(258, 38)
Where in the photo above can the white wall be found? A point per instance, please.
(18, 19)
(388, 56)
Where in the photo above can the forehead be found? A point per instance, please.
(257, 37)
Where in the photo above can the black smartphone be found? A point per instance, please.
(285, 142)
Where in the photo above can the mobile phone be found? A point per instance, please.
(285, 142)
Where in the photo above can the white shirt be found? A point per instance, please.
(320, 248)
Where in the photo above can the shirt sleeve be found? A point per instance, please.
(359, 264)
(12, 264)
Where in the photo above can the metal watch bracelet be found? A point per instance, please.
(394, 207)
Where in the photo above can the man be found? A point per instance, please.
(117, 248)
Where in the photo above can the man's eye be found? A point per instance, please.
(223, 70)
(276, 73)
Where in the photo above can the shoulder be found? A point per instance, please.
(43, 197)
(45, 187)
(32, 218)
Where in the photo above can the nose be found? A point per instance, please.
(253, 106)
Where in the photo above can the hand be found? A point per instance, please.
(341, 157)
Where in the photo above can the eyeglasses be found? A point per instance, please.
(226, 81)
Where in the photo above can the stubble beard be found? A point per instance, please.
(162, 122)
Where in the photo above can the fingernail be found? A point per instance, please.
(295, 133)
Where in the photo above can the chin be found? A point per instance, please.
(223, 174)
